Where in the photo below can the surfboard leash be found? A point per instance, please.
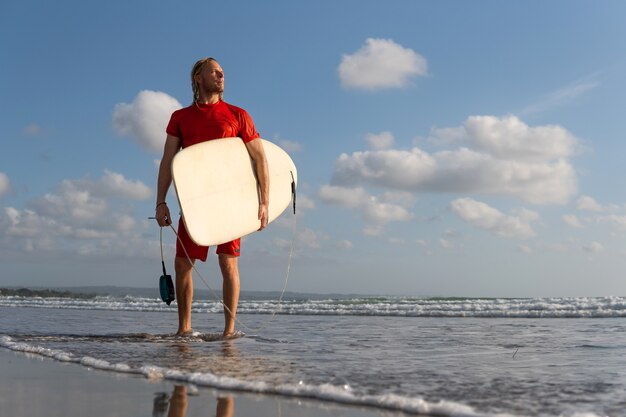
(214, 293)
(217, 297)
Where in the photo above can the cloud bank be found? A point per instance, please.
(485, 155)
(80, 216)
(146, 118)
(379, 64)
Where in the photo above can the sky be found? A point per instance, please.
(444, 148)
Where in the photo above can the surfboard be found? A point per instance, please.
(217, 188)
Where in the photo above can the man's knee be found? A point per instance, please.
(228, 264)
(182, 266)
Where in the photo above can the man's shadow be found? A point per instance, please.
(176, 404)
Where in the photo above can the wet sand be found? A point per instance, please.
(31, 386)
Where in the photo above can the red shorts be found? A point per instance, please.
(196, 251)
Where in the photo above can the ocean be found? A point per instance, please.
(430, 356)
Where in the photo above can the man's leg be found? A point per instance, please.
(230, 288)
(184, 294)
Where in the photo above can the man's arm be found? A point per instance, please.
(172, 145)
(257, 153)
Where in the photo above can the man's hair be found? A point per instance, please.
(197, 67)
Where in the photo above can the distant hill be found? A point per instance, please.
(43, 293)
(199, 294)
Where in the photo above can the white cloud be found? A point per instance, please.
(27, 223)
(510, 138)
(375, 211)
(303, 202)
(485, 217)
(573, 221)
(345, 244)
(32, 129)
(77, 215)
(381, 213)
(391, 168)
(451, 234)
(586, 203)
(289, 146)
(564, 95)
(5, 184)
(373, 230)
(381, 63)
(114, 184)
(146, 118)
(447, 243)
(282, 243)
(593, 247)
(401, 198)
(383, 140)
(619, 222)
(550, 182)
(308, 238)
(71, 202)
(495, 156)
(589, 204)
(344, 197)
(524, 248)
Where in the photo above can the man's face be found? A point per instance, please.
(211, 78)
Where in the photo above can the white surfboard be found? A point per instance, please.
(217, 188)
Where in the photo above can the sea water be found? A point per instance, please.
(441, 356)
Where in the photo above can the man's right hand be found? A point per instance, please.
(162, 215)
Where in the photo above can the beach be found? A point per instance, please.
(32, 385)
(325, 356)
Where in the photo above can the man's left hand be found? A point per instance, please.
(263, 216)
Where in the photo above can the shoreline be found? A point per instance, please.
(34, 385)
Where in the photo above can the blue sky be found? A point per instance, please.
(443, 147)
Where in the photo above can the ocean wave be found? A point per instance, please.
(579, 307)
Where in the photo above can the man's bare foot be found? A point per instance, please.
(184, 333)
(235, 334)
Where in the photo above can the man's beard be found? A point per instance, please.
(215, 90)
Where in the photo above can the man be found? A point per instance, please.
(207, 118)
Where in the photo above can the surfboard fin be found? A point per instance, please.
(293, 191)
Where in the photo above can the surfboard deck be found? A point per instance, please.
(217, 189)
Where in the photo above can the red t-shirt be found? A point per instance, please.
(201, 122)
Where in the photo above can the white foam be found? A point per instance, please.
(581, 307)
(326, 392)
(580, 415)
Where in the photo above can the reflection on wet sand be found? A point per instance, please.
(222, 360)
(225, 407)
(176, 404)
